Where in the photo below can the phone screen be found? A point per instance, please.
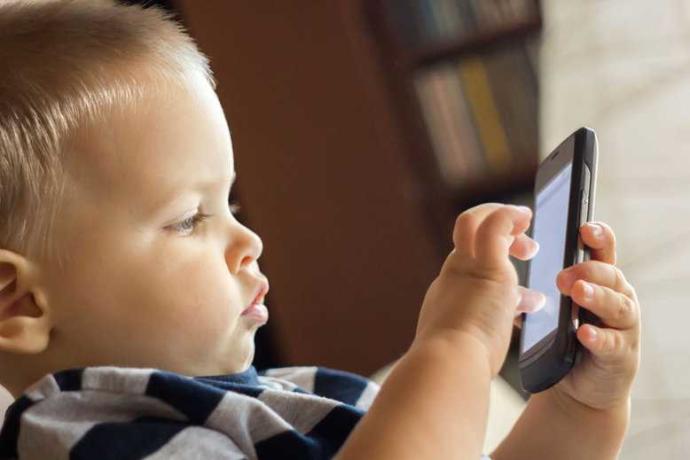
(550, 223)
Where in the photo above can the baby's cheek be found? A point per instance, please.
(215, 318)
(210, 333)
(199, 308)
(203, 317)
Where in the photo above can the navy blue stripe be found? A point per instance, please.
(194, 399)
(248, 390)
(248, 377)
(339, 385)
(131, 440)
(322, 442)
(69, 380)
(10, 427)
(334, 428)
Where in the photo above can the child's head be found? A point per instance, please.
(111, 139)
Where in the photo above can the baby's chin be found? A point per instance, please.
(235, 356)
(241, 355)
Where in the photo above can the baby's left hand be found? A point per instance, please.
(603, 378)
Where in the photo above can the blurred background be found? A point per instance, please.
(362, 128)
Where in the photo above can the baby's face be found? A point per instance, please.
(142, 287)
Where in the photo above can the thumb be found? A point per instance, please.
(530, 300)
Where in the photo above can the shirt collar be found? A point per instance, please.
(246, 377)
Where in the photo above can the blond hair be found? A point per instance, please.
(63, 64)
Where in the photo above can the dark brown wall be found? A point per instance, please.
(321, 177)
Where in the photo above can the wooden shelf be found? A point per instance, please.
(431, 54)
(489, 187)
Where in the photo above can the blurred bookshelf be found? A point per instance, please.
(465, 75)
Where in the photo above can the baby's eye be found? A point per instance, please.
(191, 223)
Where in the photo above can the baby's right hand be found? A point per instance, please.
(476, 293)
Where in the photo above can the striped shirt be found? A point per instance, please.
(133, 413)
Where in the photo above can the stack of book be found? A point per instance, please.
(481, 112)
(426, 22)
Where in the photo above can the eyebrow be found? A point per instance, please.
(208, 184)
(201, 185)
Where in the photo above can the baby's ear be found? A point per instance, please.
(24, 320)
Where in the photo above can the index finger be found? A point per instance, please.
(496, 234)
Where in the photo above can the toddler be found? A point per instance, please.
(130, 294)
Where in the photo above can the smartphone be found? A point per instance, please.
(564, 191)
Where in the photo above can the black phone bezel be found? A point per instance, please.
(550, 359)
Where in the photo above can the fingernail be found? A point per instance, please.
(540, 302)
(531, 301)
(567, 277)
(587, 291)
(596, 230)
(524, 209)
(592, 334)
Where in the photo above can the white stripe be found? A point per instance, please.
(368, 395)
(273, 383)
(246, 420)
(53, 426)
(116, 379)
(302, 411)
(197, 443)
(44, 388)
(303, 376)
